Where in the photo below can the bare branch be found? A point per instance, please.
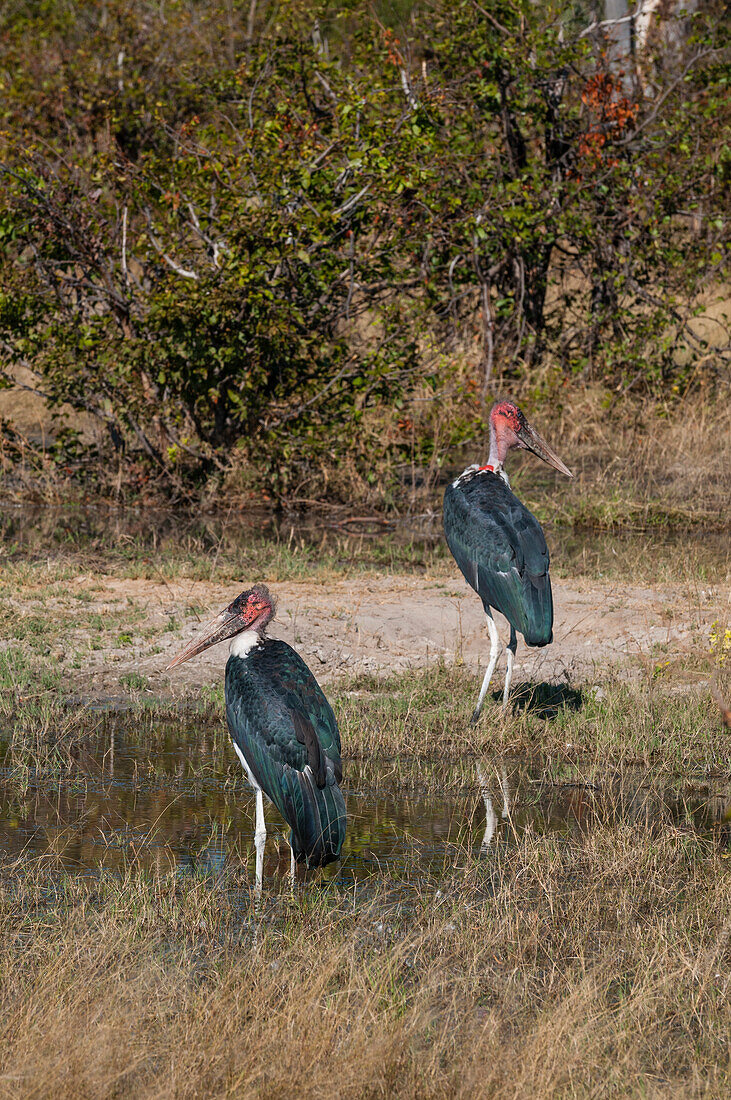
(351, 256)
(250, 21)
(489, 329)
(656, 109)
(352, 201)
(411, 99)
(216, 247)
(326, 86)
(598, 26)
(182, 271)
(490, 18)
(124, 245)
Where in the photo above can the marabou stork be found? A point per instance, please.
(283, 730)
(499, 546)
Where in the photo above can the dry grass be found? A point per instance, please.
(592, 966)
(637, 464)
(420, 715)
(639, 461)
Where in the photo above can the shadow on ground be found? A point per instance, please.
(544, 700)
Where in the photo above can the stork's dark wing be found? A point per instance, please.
(501, 549)
(277, 714)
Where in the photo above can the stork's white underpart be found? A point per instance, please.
(247, 769)
(494, 653)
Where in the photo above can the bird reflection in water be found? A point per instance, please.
(491, 818)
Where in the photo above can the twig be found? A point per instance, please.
(656, 109)
(250, 21)
(485, 280)
(411, 99)
(182, 271)
(216, 247)
(352, 276)
(597, 25)
(326, 86)
(124, 245)
(491, 18)
(489, 326)
(351, 202)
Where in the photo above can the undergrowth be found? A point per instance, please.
(582, 966)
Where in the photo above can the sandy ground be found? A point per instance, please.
(390, 623)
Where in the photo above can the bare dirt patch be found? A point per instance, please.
(388, 623)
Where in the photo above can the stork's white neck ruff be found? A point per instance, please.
(244, 642)
(477, 469)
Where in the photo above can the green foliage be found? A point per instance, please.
(238, 242)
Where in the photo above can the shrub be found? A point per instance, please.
(243, 241)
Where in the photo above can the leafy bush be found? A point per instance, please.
(247, 238)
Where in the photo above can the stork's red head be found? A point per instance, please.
(509, 428)
(252, 610)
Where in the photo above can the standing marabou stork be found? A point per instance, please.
(499, 546)
(283, 730)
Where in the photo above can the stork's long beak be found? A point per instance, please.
(226, 625)
(532, 441)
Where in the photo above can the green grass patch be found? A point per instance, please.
(425, 713)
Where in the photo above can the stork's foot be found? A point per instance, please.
(475, 716)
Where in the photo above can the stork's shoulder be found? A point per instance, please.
(279, 659)
(483, 517)
(286, 675)
(287, 688)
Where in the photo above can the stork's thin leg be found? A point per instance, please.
(292, 867)
(510, 654)
(494, 652)
(260, 836)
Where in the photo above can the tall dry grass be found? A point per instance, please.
(637, 463)
(638, 460)
(591, 966)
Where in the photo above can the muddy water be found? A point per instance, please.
(172, 797)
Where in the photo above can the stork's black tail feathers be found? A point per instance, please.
(316, 816)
